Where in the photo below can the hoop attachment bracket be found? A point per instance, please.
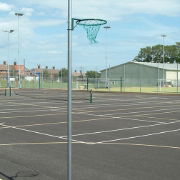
(73, 23)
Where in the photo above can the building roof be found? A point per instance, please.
(166, 66)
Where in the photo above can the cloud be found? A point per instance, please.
(27, 11)
(112, 9)
(43, 28)
(5, 7)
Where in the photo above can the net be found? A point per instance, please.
(92, 27)
(51, 94)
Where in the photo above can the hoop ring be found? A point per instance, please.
(91, 22)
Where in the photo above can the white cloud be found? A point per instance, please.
(112, 9)
(5, 7)
(44, 33)
(27, 11)
(47, 22)
(53, 52)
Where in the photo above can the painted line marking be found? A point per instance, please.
(125, 144)
(64, 122)
(144, 145)
(37, 143)
(44, 134)
(124, 129)
(139, 136)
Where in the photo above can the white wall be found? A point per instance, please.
(172, 75)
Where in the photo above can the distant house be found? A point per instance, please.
(13, 70)
(76, 74)
(3, 70)
(51, 74)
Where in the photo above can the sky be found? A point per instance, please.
(43, 31)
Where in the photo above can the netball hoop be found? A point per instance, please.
(91, 26)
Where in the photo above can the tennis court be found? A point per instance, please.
(117, 137)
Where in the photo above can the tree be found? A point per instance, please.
(155, 54)
(46, 74)
(63, 73)
(93, 74)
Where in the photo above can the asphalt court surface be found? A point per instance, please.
(117, 137)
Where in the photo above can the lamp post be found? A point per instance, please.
(163, 37)
(106, 58)
(69, 93)
(19, 15)
(8, 76)
(178, 47)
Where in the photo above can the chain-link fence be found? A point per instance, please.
(122, 80)
(128, 85)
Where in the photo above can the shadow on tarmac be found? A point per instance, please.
(20, 174)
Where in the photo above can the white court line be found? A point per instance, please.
(120, 109)
(152, 112)
(45, 134)
(123, 129)
(30, 111)
(124, 117)
(135, 102)
(130, 108)
(140, 120)
(130, 104)
(140, 136)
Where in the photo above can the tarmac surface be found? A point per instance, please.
(117, 137)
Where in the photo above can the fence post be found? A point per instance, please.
(10, 90)
(121, 84)
(177, 78)
(124, 74)
(87, 84)
(90, 100)
(140, 79)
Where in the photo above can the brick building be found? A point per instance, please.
(52, 73)
(13, 70)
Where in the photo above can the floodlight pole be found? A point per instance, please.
(8, 76)
(69, 105)
(177, 78)
(18, 15)
(163, 37)
(177, 72)
(106, 58)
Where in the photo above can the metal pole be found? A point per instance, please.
(109, 79)
(18, 57)
(8, 80)
(8, 76)
(18, 15)
(106, 58)
(177, 78)
(61, 76)
(121, 79)
(42, 78)
(158, 87)
(69, 106)
(124, 76)
(163, 36)
(140, 81)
